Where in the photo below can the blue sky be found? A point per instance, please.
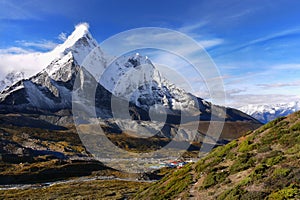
(255, 44)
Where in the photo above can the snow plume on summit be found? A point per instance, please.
(50, 89)
(31, 62)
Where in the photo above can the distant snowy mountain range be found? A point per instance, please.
(266, 113)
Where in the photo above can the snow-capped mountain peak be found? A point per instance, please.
(80, 43)
(82, 48)
(11, 78)
(126, 73)
(81, 30)
(136, 79)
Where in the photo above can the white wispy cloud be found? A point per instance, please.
(267, 38)
(15, 50)
(191, 28)
(43, 44)
(155, 37)
(238, 101)
(62, 36)
(29, 57)
(243, 13)
(30, 63)
(15, 11)
(258, 83)
(276, 35)
(196, 31)
(235, 91)
(287, 66)
(279, 85)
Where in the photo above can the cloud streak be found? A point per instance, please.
(190, 29)
(271, 37)
(288, 66)
(62, 36)
(279, 85)
(238, 101)
(29, 57)
(42, 45)
(14, 50)
(29, 63)
(15, 11)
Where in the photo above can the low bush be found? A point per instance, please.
(243, 162)
(263, 148)
(214, 178)
(253, 195)
(274, 160)
(246, 146)
(258, 172)
(232, 194)
(271, 124)
(245, 181)
(295, 127)
(294, 149)
(281, 172)
(285, 193)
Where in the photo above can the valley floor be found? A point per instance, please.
(78, 189)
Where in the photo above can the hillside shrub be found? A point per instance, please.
(295, 127)
(294, 149)
(231, 194)
(243, 162)
(246, 146)
(285, 193)
(214, 178)
(271, 124)
(281, 172)
(245, 181)
(253, 195)
(258, 172)
(274, 160)
(263, 148)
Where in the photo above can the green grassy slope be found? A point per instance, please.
(96, 189)
(264, 164)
